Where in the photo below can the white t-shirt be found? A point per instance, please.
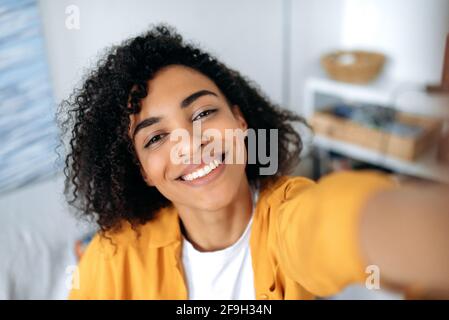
(225, 274)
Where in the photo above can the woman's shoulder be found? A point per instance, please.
(288, 187)
(284, 187)
(127, 236)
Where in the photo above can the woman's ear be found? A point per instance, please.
(239, 116)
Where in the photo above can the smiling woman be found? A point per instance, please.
(121, 124)
(216, 228)
(150, 85)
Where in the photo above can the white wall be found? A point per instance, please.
(245, 34)
(248, 35)
(277, 43)
(315, 29)
(411, 32)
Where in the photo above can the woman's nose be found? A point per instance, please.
(190, 146)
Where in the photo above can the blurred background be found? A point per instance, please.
(367, 74)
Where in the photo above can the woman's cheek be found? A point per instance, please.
(155, 167)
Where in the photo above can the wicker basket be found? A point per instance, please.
(353, 66)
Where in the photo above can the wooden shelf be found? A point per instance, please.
(405, 97)
(424, 167)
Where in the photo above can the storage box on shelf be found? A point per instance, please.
(407, 148)
(411, 156)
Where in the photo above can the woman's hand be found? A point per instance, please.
(405, 232)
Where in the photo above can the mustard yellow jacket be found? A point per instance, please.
(304, 243)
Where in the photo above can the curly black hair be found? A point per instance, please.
(102, 175)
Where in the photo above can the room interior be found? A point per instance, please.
(393, 117)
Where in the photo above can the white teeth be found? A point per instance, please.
(203, 171)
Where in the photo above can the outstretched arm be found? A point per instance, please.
(331, 231)
(405, 232)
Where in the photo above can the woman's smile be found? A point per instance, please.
(203, 173)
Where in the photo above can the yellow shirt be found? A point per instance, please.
(304, 243)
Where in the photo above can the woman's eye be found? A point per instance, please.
(153, 140)
(204, 114)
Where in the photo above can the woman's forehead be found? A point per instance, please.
(169, 87)
(172, 85)
(174, 82)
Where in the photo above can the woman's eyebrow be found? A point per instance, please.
(145, 123)
(191, 98)
(184, 104)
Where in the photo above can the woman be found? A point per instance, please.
(173, 228)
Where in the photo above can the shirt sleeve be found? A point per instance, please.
(93, 279)
(318, 230)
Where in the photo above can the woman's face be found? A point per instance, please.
(179, 99)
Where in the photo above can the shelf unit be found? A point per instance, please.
(319, 92)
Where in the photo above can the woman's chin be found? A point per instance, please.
(214, 191)
(215, 198)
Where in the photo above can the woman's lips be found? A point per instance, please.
(195, 167)
(210, 176)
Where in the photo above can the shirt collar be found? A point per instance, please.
(165, 228)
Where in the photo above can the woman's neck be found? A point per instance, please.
(218, 229)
